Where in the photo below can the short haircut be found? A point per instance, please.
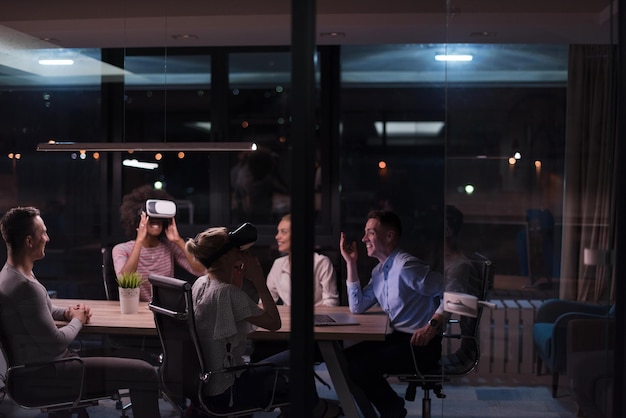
(387, 219)
(17, 224)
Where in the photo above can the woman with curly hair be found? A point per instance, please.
(156, 245)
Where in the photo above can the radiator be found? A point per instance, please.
(506, 338)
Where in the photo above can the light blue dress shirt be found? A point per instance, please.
(404, 287)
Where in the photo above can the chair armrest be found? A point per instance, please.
(49, 363)
(205, 376)
(15, 372)
(551, 309)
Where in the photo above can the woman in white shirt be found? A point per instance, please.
(279, 277)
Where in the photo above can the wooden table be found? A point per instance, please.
(373, 326)
(106, 318)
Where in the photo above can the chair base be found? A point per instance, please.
(80, 412)
(427, 386)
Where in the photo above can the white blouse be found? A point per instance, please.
(325, 281)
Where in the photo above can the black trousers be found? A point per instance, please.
(370, 361)
(103, 377)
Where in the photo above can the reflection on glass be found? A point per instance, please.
(507, 102)
(259, 92)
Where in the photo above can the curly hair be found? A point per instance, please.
(134, 202)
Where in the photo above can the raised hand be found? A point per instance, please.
(142, 228)
(348, 250)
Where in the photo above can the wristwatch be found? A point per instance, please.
(434, 323)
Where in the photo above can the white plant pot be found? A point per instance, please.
(129, 300)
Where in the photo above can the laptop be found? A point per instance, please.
(333, 319)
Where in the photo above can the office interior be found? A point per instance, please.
(510, 112)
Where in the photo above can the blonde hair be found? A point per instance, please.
(206, 244)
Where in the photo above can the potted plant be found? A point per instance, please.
(128, 286)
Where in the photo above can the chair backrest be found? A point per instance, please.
(109, 278)
(484, 266)
(183, 373)
(465, 359)
(182, 363)
(484, 269)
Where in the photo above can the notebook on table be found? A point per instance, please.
(331, 319)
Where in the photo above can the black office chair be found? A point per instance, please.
(182, 372)
(109, 278)
(21, 389)
(465, 359)
(144, 348)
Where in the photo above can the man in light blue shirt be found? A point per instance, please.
(409, 291)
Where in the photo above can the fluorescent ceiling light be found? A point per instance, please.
(23, 52)
(202, 126)
(454, 57)
(56, 62)
(139, 164)
(146, 146)
(404, 129)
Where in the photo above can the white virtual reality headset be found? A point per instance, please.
(158, 208)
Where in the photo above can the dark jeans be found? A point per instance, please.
(370, 361)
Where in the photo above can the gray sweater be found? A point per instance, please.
(27, 318)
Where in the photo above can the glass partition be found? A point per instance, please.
(480, 122)
(42, 102)
(505, 144)
(258, 105)
(530, 132)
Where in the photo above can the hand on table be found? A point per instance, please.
(80, 311)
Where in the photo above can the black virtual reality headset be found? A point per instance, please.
(242, 237)
(162, 209)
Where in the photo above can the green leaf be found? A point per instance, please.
(129, 280)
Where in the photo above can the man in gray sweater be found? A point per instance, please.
(28, 329)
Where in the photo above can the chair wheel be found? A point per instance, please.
(439, 393)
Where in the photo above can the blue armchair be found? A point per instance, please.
(550, 332)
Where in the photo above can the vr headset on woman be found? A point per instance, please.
(243, 237)
(158, 209)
